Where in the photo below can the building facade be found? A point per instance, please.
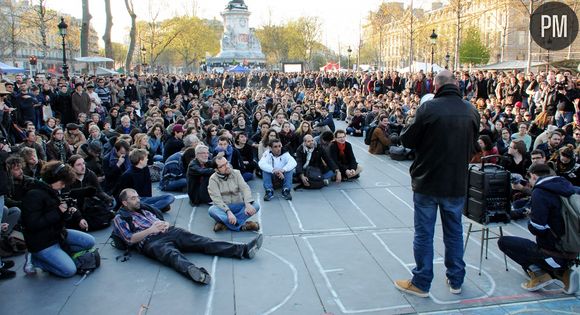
(503, 26)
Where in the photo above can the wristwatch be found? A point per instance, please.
(228, 210)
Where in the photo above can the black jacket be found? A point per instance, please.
(198, 180)
(318, 159)
(348, 161)
(444, 135)
(42, 220)
(173, 145)
(3, 173)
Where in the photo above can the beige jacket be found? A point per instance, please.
(233, 190)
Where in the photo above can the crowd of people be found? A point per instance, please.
(209, 134)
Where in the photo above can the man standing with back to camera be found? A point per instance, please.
(439, 180)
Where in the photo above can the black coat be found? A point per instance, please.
(444, 135)
(197, 181)
(42, 220)
(3, 173)
(173, 145)
(348, 162)
(316, 160)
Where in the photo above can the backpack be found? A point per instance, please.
(570, 241)
(369, 134)
(13, 245)
(314, 175)
(87, 260)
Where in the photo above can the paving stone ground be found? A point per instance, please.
(332, 251)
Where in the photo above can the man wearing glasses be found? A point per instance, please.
(232, 199)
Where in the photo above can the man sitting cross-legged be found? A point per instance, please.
(232, 199)
(140, 225)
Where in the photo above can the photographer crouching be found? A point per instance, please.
(543, 260)
(44, 217)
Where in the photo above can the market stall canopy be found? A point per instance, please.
(4, 68)
(330, 67)
(105, 71)
(94, 59)
(426, 67)
(510, 65)
(238, 69)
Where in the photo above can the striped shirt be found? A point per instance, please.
(141, 221)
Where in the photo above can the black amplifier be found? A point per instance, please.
(488, 194)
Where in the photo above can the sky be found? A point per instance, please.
(340, 19)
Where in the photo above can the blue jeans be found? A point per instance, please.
(328, 175)
(56, 261)
(173, 185)
(269, 185)
(158, 202)
(219, 215)
(425, 217)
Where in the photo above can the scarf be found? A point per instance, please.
(341, 151)
(222, 176)
(61, 151)
(308, 154)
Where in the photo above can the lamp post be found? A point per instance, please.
(348, 51)
(433, 38)
(447, 57)
(62, 26)
(143, 60)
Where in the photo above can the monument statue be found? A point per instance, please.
(238, 42)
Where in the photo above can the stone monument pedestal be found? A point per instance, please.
(239, 44)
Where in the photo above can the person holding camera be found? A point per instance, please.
(44, 216)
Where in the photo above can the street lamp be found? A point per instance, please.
(62, 26)
(447, 57)
(348, 51)
(433, 38)
(143, 61)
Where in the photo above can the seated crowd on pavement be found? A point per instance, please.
(209, 134)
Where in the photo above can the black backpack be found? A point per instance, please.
(117, 241)
(369, 135)
(87, 260)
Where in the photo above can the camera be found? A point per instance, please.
(72, 196)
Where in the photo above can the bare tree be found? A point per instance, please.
(107, 35)
(85, 27)
(43, 18)
(132, 34)
(11, 22)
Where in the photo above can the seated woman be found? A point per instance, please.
(57, 148)
(486, 148)
(516, 160)
(504, 141)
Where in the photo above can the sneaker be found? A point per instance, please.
(250, 226)
(408, 287)
(166, 209)
(199, 275)
(7, 264)
(28, 267)
(537, 281)
(269, 195)
(7, 274)
(569, 279)
(452, 289)
(218, 227)
(286, 194)
(253, 246)
(326, 182)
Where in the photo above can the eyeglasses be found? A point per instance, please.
(213, 130)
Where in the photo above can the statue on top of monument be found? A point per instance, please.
(236, 4)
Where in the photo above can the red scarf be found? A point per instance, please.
(341, 148)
